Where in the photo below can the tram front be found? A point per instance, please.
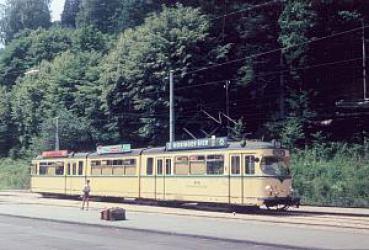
(278, 191)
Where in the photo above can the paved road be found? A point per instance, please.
(19, 233)
(274, 234)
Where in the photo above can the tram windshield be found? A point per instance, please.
(272, 165)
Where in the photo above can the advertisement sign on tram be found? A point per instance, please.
(55, 153)
(113, 149)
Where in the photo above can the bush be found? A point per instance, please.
(14, 174)
(333, 174)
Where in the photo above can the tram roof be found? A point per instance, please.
(133, 152)
(250, 145)
(70, 155)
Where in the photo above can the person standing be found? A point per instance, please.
(86, 195)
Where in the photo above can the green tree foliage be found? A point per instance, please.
(88, 38)
(114, 15)
(68, 17)
(24, 14)
(135, 70)
(29, 50)
(74, 132)
(6, 135)
(101, 14)
(133, 12)
(296, 23)
(65, 88)
(107, 79)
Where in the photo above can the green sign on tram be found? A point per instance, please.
(219, 142)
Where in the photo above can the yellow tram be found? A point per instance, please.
(213, 170)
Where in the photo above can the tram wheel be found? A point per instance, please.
(279, 207)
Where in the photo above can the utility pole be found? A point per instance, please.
(56, 133)
(171, 108)
(226, 86)
(281, 87)
(364, 61)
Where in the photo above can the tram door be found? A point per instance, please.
(74, 177)
(159, 178)
(69, 178)
(235, 179)
(249, 182)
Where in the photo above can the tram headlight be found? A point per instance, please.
(269, 189)
(291, 189)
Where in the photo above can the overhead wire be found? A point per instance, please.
(273, 72)
(271, 51)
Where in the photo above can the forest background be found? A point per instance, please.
(293, 71)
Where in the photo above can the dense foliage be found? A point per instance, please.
(333, 174)
(102, 72)
(14, 174)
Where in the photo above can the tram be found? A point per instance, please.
(248, 173)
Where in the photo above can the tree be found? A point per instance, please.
(111, 16)
(29, 50)
(26, 105)
(88, 38)
(24, 14)
(296, 23)
(6, 128)
(65, 88)
(68, 17)
(134, 12)
(135, 70)
(102, 14)
(74, 133)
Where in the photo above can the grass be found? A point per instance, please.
(14, 174)
(334, 174)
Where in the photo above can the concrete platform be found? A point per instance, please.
(242, 228)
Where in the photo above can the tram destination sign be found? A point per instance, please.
(219, 142)
(114, 149)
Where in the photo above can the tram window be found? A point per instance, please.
(130, 166)
(197, 165)
(96, 170)
(149, 166)
(59, 168)
(43, 168)
(159, 167)
(249, 164)
(215, 165)
(68, 169)
(51, 170)
(95, 163)
(181, 165)
(34, 169)
(117, 162)
(168, 166)
(235, 165)
(118, 168)
(74, 168)
(106, 169)
(80, 167)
